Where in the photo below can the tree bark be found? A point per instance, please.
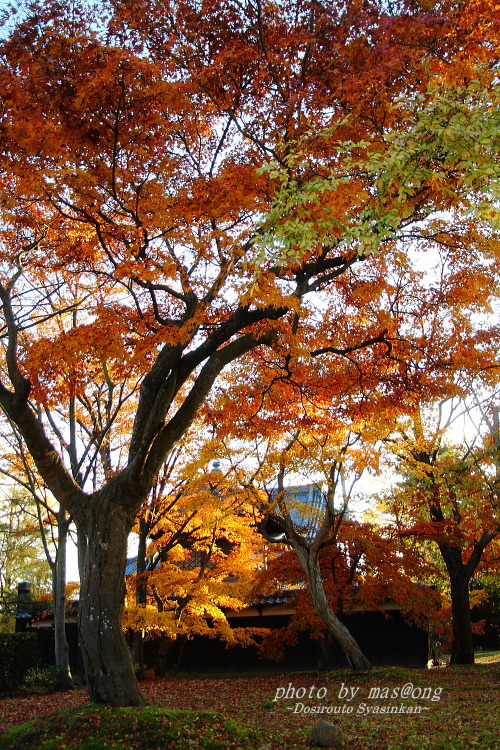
(108, 662)
(140, 600)
(309, 560)
(164, 649)
(462, 647)
(65, 680)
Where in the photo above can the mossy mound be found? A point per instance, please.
(151, 728)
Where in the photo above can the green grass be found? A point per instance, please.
(487, 657)
(99, 728)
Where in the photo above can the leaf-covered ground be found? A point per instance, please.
(454, 708)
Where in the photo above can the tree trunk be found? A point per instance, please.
(356, 658)
(138, 653)
(166, 642)
(140, 601)
(325, 661)
(64, 681)
(164, 649)
(462, 647)
(108, 662)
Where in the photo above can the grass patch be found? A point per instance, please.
(487, 657)
(151, 728)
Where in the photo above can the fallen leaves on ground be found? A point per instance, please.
(458, 706)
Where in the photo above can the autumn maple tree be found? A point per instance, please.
(449, 498)
(362, 567)
(226, 182)
(198, 554)
(303, 420)
(303, 484)
(86, 415)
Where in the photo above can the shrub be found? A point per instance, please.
(44, 679)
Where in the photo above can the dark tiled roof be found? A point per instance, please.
(287, 596)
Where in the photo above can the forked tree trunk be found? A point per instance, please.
(309, 560)
(107, 659)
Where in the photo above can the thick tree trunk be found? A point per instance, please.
(65, 681)
(108, 662)
(356, 658)
(462, 647)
